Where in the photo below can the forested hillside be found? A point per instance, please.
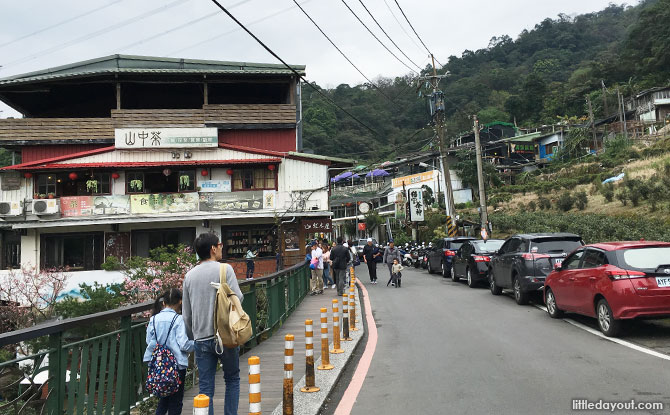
(543, 74)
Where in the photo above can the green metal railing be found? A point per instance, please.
(105, 374)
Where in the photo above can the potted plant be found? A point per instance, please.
(92, 185)
(36, 196)
(51, 195)
(43, 196)
(136, 185)
(184, 182)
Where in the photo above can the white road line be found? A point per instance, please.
(612, 339)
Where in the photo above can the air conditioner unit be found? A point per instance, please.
(11, 208)
(45, 206)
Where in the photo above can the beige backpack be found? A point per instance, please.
(232, 325)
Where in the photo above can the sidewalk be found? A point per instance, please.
(271, 353)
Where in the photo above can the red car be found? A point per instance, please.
(612, 281)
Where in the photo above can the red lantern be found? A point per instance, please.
(349, 204)
(73, 176)
(271, 167)
(230, 172)
(27, 175)
(204, 173)
(115, 176)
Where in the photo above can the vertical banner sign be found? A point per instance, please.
(416, 208)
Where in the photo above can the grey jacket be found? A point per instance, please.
(390, 255)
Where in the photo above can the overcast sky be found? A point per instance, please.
(36, 34)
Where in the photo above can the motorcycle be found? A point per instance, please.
(406, 256)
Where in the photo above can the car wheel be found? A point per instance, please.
(445, 273)
(606, 322)
(495, 290)
(471, 282)
(454, 277)
(430, 268)
(552, 308)
(520, 296)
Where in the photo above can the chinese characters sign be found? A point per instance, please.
(416, 207)
(414, 178)
(94, 205)
(214, 186)
(164, 203)
(143, 138)
(317, 225)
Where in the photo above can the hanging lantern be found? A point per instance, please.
(230, 172)
(73, 176)
(271, 167)
(115, 175)
(167, 172)
(204, 173)
(348, 204)
(27, 175)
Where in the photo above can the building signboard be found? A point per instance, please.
(74, 206)
(221, 202)
(156, 138)
(416, 207)
(164, 203)
(317, 225)
(10, 181)
(214, 186)
(414, 178)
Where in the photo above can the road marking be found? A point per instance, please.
(351, 394)
(612, 339)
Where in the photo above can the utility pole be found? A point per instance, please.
(593, 124)
(605, 106)
(622, 114)
(480, 176)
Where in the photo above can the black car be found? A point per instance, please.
(525, 260)
(440, 256)
(472, 260)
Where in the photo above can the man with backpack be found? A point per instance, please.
(340, 257)
(199, 303)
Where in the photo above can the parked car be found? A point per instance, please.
(524, 261)
(472, 260)
(439, 258)
(612, 282)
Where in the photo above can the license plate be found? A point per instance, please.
(558, 261)
(663, 281)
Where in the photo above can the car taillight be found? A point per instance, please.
(449, 253)
(618, 273)
(481, 258)
(534, 256)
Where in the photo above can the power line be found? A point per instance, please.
(342, 53)
(387, 35)
(401, 26)
(96, 33)
(60, 23)
(296, 73)
(375, 36)
(410, 25)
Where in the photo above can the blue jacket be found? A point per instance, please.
(178, 342)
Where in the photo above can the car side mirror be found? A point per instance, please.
(558, 267)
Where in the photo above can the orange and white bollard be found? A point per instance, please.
(336, 329)
(325, 356)
(352, 310)
(254, 385)
(309, 360)
(201, 405)
(288, 375)
(345, 318)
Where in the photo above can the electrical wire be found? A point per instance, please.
(376, 38)
(417, 35)
(60, 23)
(289, 67)
(342, 53)
(402, 27)
(97, 33)
(387, 35)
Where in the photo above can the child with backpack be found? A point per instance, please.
(166, 353)
(396, 275)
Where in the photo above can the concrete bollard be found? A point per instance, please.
(201, 405)
(309, 360)
(288, 375)
(352, 310)
(336, 329)
(254, 385)
(325, 356)
(345, 319)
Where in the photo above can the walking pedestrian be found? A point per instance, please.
(317, 272)
(370, 254)
(391, 253)
(251, 255)
(166, 327)
(327, 280)
(396, 275)
(198, 310)
(340, 255)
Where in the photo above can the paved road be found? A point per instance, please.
(447, 349)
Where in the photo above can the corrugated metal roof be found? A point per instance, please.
(526, 138)
(320, 157)
(116, 64)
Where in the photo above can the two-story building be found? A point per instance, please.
(123, 154)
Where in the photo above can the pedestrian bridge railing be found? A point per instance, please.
(104, 374)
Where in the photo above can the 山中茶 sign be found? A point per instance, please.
(142, 138)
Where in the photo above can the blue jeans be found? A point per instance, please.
(171, 405)
(327, 281)
(206, 358)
